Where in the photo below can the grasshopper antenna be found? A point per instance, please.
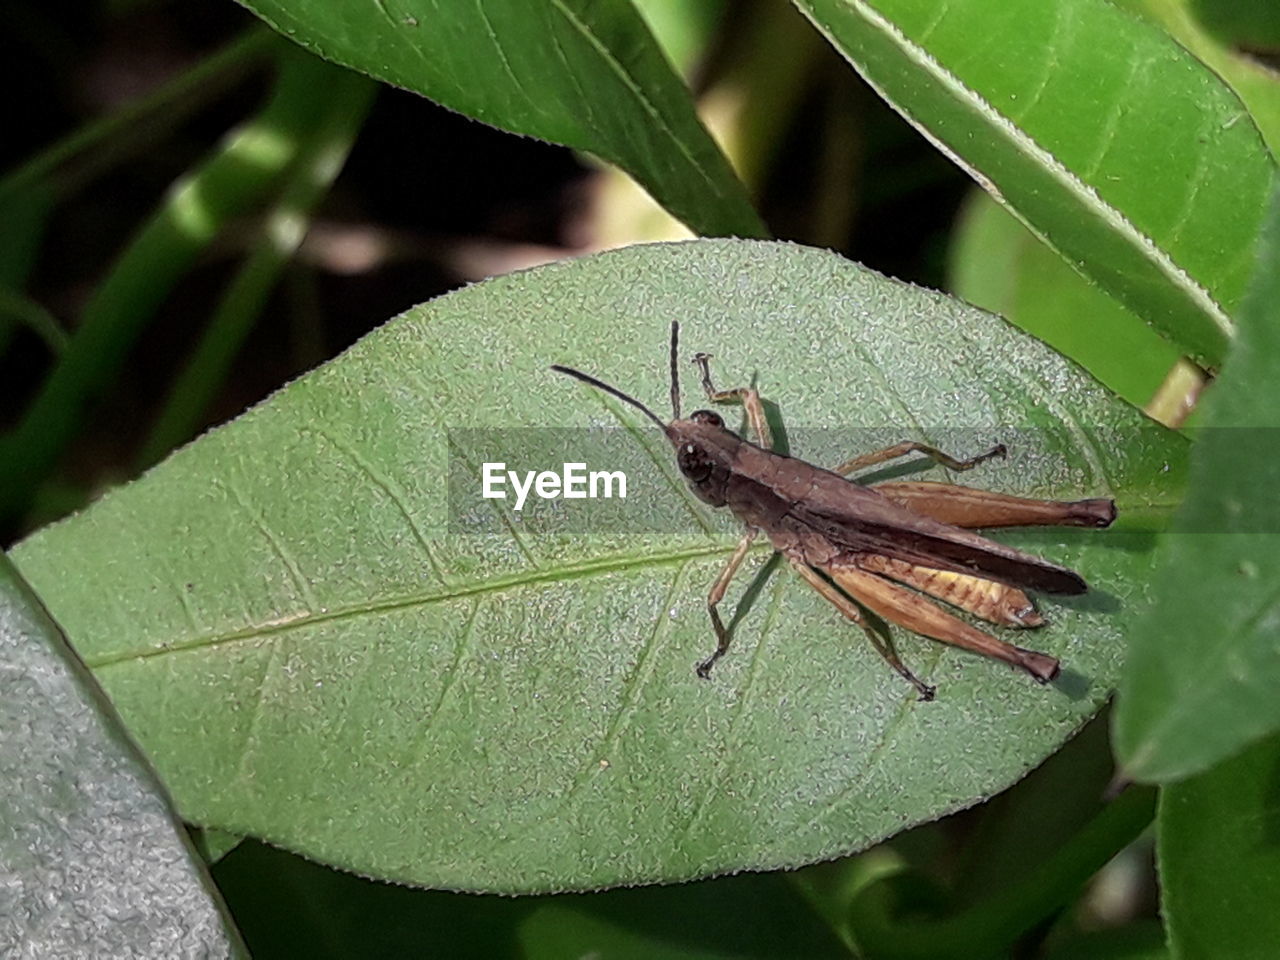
(675, 370)
(600, 384)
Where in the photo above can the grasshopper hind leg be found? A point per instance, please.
(899, 605)
(884, 645)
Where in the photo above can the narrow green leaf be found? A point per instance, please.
(92, 859)
(1108, 140)
(320, 645)
(997, 264)
(1250, 77)
(584, 73)
(320, 158)
(1219, 862)
(1202, 672)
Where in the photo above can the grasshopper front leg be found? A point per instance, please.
(716, 595)
(749, 397)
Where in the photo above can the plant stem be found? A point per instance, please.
(229, 184)
(320, 159)
(173, 100)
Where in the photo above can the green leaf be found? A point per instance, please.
(1202, 673)
(889, 924)
(93, 860)
(749, 916)
(320, 644)
(1108, 140)
(1252, 79)
(997, 264)
(1254, 26)
(1016, 833)
(683, 28)
(1219, 860)
(584, 73)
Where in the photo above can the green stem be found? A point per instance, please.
(231, 183)
(171, 102)
(35, 317)
(989, 927)
(319, 162)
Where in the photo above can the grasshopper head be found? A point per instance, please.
(703, 453)
(704, 448)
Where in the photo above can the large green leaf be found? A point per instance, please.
(93, 862)
(1201, 680)
(584, 73)
(1108, 140)
(320, 643)
(1219, 861)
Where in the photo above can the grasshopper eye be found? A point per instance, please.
(709, 417)
(694, 462)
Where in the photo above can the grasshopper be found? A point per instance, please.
(864, 546)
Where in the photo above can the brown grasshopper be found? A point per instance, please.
(868, 544)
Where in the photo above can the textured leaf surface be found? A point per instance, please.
(1057, 107)
(584, 73)
(313, 653)
(1202, 676)
(1219, 862)
(93, 863)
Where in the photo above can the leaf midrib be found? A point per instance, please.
(594, 567)
(571, 571)
(1022, 142)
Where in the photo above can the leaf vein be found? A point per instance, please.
(393, 491)
(418, 749)
(286, 559)
(596, 567)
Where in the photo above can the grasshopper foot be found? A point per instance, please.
(999, 451)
